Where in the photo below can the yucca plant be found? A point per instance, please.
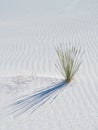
(69, 60)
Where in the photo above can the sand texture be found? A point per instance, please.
(27, 64)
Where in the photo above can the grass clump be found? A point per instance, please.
(69, 60)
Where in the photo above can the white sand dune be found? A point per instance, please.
(27, 48)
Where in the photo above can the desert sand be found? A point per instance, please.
(27, 64)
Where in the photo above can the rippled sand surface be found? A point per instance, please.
(27, 64)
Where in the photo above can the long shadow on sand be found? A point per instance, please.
(36, 100)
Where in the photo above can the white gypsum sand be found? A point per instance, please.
(28, 47)
(69, 61)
